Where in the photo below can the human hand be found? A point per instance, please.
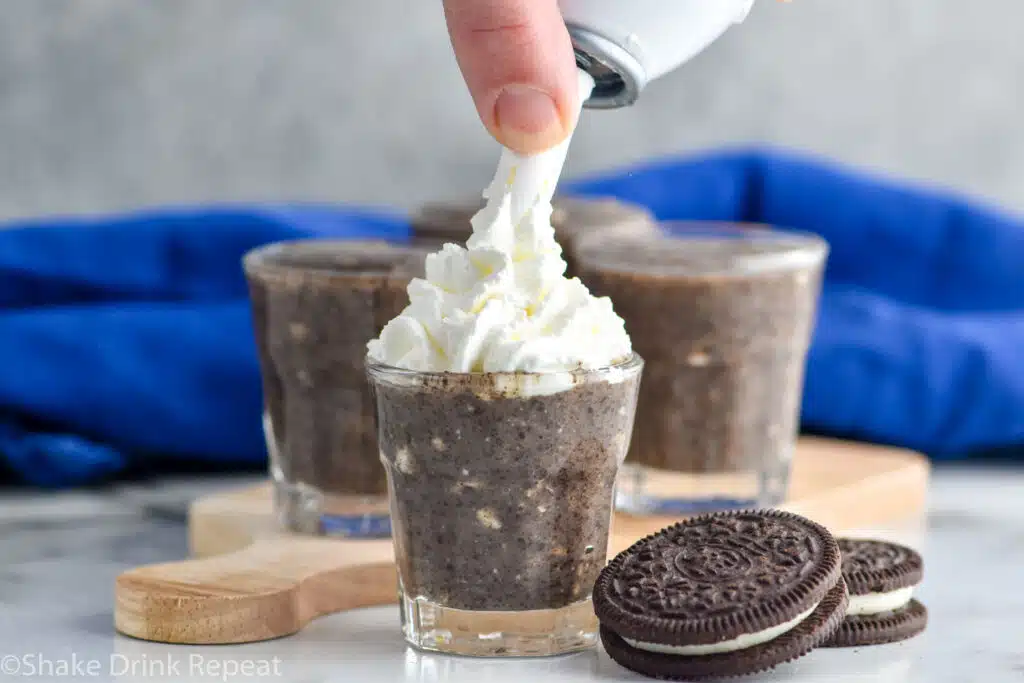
(517, 59)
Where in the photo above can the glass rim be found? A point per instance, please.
(790, 249)
(632, 363)
(265, 260)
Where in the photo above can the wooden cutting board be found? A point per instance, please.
(249, 582)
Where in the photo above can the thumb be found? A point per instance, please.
(518, 62)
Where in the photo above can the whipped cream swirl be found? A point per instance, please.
(502, 303)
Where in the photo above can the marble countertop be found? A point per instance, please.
(59, 554)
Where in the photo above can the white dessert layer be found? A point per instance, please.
(739, 643)
(876, 603)
(502, 303)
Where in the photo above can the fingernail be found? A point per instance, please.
(527, 115)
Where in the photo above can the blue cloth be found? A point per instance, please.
(127, 340)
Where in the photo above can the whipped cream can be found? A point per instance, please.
(625, 45)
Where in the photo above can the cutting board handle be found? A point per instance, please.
(270, 589)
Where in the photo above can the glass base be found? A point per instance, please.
(303, 509)
(535, 633)
(642, 490)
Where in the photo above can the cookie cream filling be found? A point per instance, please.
(876, 603)
(502, 303)
(739, 643)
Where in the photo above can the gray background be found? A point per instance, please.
(110, 104)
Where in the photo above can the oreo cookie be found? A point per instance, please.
(881, 578)
(721, 595)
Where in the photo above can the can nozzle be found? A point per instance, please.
(618, 76)
(624, 44)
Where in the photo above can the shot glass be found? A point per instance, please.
(723, 315)
(501, 488)
(315, 305)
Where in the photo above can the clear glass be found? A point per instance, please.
(315, 305)
(501, 489)
(722, 315)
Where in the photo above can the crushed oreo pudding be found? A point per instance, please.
(502, 498)
(723, 318)
(314, 305)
